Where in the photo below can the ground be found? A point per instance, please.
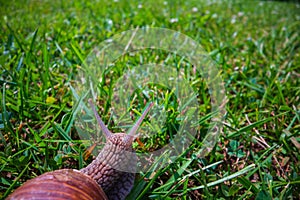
(254, 45)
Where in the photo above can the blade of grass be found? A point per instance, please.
(255, 124)
(239, 173)
(16, 180)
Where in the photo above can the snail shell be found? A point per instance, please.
(60, 184)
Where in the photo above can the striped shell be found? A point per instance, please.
(60, 185)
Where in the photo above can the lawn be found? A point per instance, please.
(254, 45)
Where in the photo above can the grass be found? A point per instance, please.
(255, 45)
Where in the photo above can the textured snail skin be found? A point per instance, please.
(60, 185)
(114, 167)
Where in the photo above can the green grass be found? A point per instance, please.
(255, 45)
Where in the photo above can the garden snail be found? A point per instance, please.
(102, 179)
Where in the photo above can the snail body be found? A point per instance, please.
(110, 176)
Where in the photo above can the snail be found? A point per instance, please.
(110, 176)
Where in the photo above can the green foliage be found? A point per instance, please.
(255, 44)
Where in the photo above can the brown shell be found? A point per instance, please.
(60, 184)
